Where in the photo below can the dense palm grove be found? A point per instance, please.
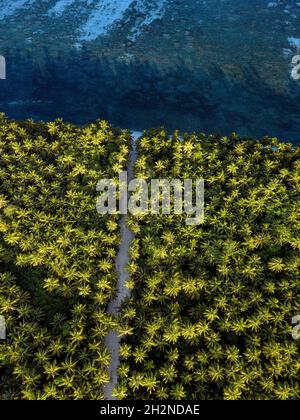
(57, 257)
(212, 305)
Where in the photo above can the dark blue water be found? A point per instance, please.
(80, 89)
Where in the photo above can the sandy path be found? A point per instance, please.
(112, 341)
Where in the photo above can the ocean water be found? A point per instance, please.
(215, 67)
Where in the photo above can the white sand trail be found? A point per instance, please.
(112, 341)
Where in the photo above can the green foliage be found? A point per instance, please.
(57, 257)
(211, 307)
(214, 303)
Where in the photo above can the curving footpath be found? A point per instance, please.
(112, 341)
